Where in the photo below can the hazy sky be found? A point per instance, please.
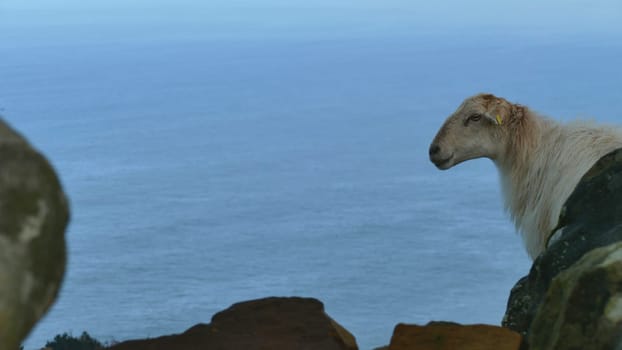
(231, 18)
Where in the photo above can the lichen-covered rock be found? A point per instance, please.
(264, 324)
(452, 336)
(583, 306)
(591, 218)
(33, 217)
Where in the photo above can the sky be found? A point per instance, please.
(260, 19)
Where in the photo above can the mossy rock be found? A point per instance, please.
(34, 214)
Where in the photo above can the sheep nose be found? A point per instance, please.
(434, 149)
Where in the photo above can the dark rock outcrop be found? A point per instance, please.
(33, 216)
(451, 336)
(591, 218)
(583, 306)
(264, 324)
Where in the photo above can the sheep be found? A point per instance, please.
(540, 161)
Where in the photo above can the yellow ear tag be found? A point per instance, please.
(499, 120)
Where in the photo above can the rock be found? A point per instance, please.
(264, 324)
(452, 336)
(591, 218)
(583, 306)
(33, 216)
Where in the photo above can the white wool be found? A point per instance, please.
(550, 168)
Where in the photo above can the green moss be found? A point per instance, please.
(68, 342)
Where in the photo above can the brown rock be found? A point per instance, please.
(452, 336)
(265, 324)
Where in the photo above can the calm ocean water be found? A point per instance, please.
(205, 171)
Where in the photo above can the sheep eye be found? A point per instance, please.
(475, 117)
(472, 118)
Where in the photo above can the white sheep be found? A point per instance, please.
(540, 161)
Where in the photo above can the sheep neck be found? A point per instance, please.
(528, 179)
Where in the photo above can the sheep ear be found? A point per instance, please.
(496, 119)
(499, 119)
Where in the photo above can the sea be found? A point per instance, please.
(206, 168)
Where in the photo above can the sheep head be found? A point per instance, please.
(477, 129)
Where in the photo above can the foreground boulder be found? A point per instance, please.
(265, 324)
(33, 217)
(591, 218)
(583, 306)
(452, 336)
